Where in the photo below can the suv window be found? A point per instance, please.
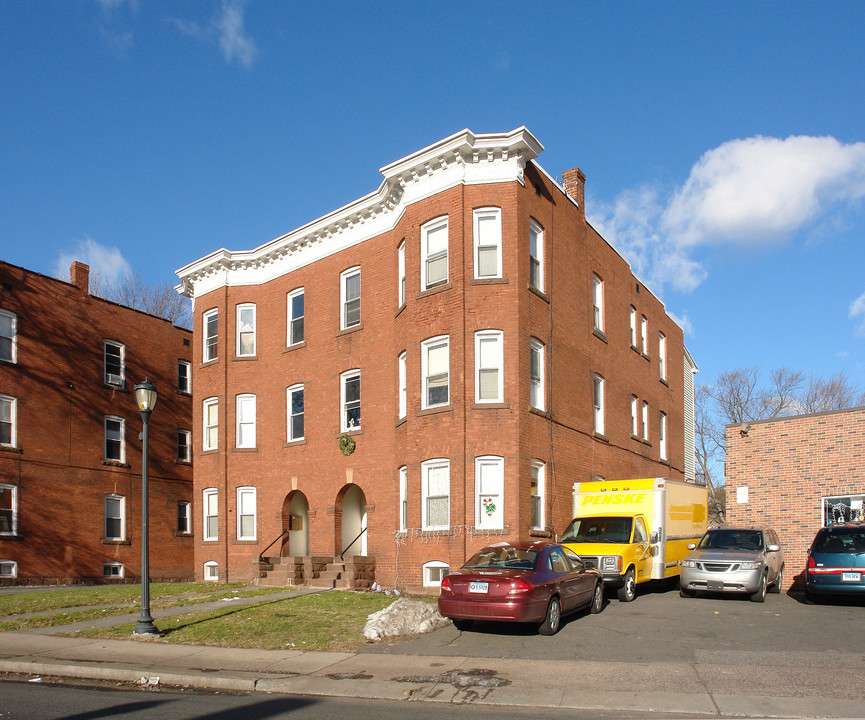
(733, 540)
(840, 540)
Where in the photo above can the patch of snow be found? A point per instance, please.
(403, 617)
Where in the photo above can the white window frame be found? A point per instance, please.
(8, 569)
(598, 403)
(13, 507)
(536, 260)
(426, 467)
(295, 320)
(213, 428)
(122, 422)
(432, 573)
(644, 334)
(247, 508)
(400, 284)
(403, 389)
(121, 501)
(662, 356)
(211, 571)
(12, 337)
(493, 216)
(427, 258)
(495, 339)
(434, 343)
(12, 404)
(645, 418)
(633, 326)
(184, 377)
(240, 332)
(114, 379)
(537, 386)
(495, 465)
(245, 421)
(403, 498)
(207, 494)
(343, 403)
(344, 300)
(109, 566)
(597, 302)
(634, 419)
(187, 456)
(186, 527)
(290, 414)
(538, 467)
(210, 343)
(662, 435)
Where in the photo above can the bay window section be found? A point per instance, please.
(210, 498)
(295, 317)
(536, 491)
(350, 400)
(210, 321)
(434, 253)
(537, 392)
(435, 361)
(350, 298)
(536, 256)
(435, 501)
(488, 366)
(488, 243)
(489, 489)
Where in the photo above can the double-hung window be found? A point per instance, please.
(435, 505)
(115, 517)
(184, 438)
(662, 356)
(184, 525)
(633, 326)
(634, 421)
(662, 435)
(115, 439)
(294, 410)
(184, 377)
(489, 491)
(211, 424)
(8, 421)
(644, 334)
(295, 317)
(246, 330)
(400, 292)
(488, 366)
(488, 243)
(598, 303)
(115, 357)
(434, 253)
(403, 498)
(245, 421)
(537, 392)
(350, 298)
(401, 377)
(536, 256)
(211, 513)
(537, 494)
(350, 400)
(598, 404)
(645, 420)
(8, 509)
(8, 336)
(435, 361)
(210, 322)
(246, 513)
(8, 569)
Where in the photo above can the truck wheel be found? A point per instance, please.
(628, 591)
(760, 595)
(776, 586)
(553, 620)
(598, 598)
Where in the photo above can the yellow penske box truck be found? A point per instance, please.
(634, 531)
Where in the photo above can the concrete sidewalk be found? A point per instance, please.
(669, 688)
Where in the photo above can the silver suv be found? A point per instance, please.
(733, 559)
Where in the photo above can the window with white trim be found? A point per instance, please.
(8, 509)
(489, 381)
(8, 421)
(598, 302)
(184, 518)
(8, 569)
(434, 572)
(115, 517)
(487, 224)
(295, 412)
(403, 498)
(537, 492)
(350, 298)
(662, 356)
(210, 322)
(8, 336)
(115, 439)
(489, 491)
(434, 253)
(435, 494)
(435, 370)
(246, 512)
(662, 435)
(211, 571)
(246, 330)
(633, 325)
(211, 423)
(245, 421)
(114, 354)
(537, 394)
(644, 334)
(184, 376)
(210, 504)
(634, 420)
(536, 256)
(184, 450)
(349, 392)
(645, 416)
(113, 570)
(598, 403)
(401, 373)
(400, 292)
(295, 313)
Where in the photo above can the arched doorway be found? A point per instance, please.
(295, 520)
(351, 504)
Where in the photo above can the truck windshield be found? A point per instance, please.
(599, 530)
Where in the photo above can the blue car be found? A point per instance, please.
(836, 561)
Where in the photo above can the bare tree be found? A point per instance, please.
(132, 291)
(709, 454)
(833, 393)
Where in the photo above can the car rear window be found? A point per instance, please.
(840, 540)
(504, 557)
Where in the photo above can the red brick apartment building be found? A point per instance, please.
(426, 370)
(797, 474)
(70, 455)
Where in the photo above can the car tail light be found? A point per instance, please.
(446, 584)
(811, 563)
(520, 586)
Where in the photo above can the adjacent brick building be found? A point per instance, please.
(797, 474)
(70, 454)
(425, 370)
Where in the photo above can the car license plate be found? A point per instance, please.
(715, 585)
(851, 577)
(478, 587)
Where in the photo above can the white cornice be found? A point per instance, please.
(463, 158)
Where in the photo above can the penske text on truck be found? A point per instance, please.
(636, 530)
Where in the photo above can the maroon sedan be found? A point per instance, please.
(534, 582)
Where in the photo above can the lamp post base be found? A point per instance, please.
(145, 626)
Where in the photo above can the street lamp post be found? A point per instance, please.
(145, 397)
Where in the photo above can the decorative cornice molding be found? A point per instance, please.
(462, 158)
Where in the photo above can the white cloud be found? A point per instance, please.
(226, 29)
(105, 262)
(857, 312)
(683, 322)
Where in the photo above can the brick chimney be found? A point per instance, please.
(80, 276)
(574, 182)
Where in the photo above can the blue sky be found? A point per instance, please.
(724, 143)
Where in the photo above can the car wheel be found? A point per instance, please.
(628, 591)
(684, 592)
(760, 595)
(462, 624)
(597, 599)
(776, 586)
(553, 620)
